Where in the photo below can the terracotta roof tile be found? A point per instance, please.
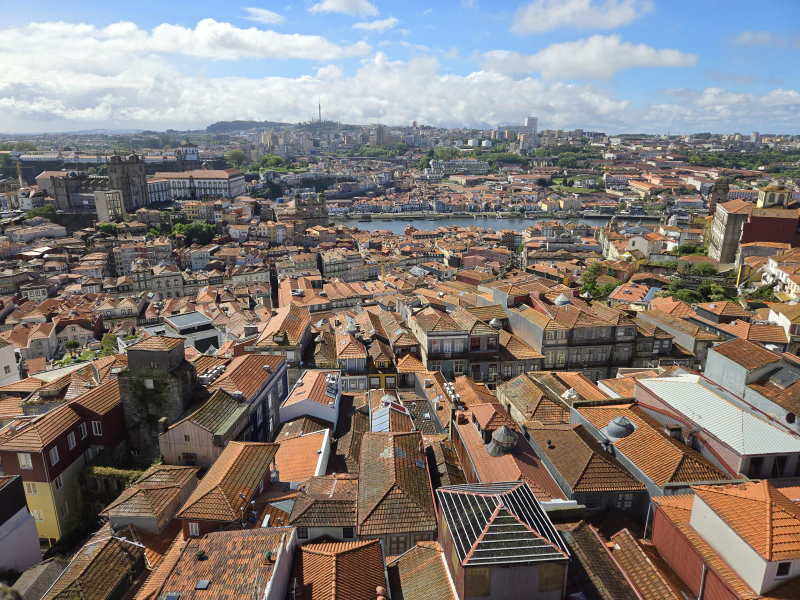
(420, 574)
(234, 565)
(394, 486)
(661, 458)
(248, 374)
(747, 354)
(338, 571)
(297, 458)
(157, 343)
(759, 514)
(582, 462)
(238, 471)
(644, 566)
(328, 501)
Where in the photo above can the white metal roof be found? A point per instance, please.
(739, 429)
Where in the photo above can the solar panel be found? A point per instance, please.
(784, 378)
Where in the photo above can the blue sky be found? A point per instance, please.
(610, 65)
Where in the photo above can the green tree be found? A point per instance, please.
(271, 162)
(7, 593)
(201, 232)
(706, 270)
(236, 157)
(48, 211)
(72, 345)
(108, 228)
(401, 147)
(109, 345)
(568, 160)
(688, 296)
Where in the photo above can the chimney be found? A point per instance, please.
(163, 424)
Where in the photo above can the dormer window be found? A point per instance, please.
(784, 570)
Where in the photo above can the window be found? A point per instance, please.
(784, 568)
(59, 483)
(397, 545)
(24, 460)
(7, 369)
(31, 489)
(475, 344)
(551, 577)
(71, 440)
(459, 345)
(754, 468)
(561, 357)
(302, 533)
(348, 533)
(64, 510)
(435, 346)
(54, 456)
(458, 367)
(186, 438)
(38, 516)
(478, 582)
(592, 501)
(778, 467)
(194, 530)
(624, 501)
(97, 428)
(260, 414)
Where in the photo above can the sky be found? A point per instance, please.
(652, 66)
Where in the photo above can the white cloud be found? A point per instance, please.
(766, 38)
(753, 38)
(329, 72)
(346, 7)
(427, 11)
(377, 26)
(262, 15)
(545, 15)
(209, 39)
(118, 77)
(597, 57)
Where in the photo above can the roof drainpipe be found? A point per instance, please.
(702, 582)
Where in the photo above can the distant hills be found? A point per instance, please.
(229, 126)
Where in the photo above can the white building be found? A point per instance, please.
(193, 185)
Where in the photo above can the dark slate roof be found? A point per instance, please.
(499, 524)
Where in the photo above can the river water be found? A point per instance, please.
(398, 227)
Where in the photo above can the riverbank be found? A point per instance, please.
(512, 216)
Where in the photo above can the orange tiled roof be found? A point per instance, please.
(678, 509)
(394, 493)
(339, 570)
(420, 574)
(760, 514)
(157, 343)
(660, 457)
(648, 571)
(581, 461)
(747, 354)
(237, 472)
(297, 458)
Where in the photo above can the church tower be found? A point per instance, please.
(718, 194)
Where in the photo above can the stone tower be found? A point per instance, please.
(155, 390)
(128, 176)
(718, 194)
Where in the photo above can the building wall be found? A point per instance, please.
(9, 372)
(173, 445)
(19, 542)
(679, 553)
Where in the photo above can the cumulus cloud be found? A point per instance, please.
(597, 57)
(135, 85)
(377, 26)
(209, 39)
(545, 15)
(346, 7)
(262, 15)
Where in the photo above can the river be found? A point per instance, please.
(398, 227)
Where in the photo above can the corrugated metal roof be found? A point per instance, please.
(739, 429)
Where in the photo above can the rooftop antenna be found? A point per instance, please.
(319, 106)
